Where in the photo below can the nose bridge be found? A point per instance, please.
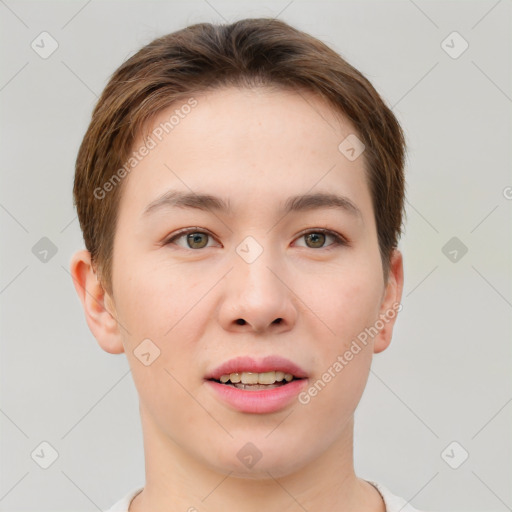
(253, 265)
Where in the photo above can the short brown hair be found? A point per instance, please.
(247, 53)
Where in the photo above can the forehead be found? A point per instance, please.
(232, 142)
(241, 113)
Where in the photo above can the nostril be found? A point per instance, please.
(241, 321)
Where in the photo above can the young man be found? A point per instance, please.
(240, 189)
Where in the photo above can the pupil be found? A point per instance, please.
(196, 238)
(315, 237)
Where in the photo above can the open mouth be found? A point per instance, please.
(256, 381)
(251, 386)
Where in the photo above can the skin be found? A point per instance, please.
(256, 147)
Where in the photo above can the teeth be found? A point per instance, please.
(256, 378)
(265, 378)
(249, 378)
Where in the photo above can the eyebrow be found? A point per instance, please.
(208, 202)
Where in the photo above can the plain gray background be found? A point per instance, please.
(446, 375)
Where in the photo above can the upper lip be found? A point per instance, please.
(249, 364)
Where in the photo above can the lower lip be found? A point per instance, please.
(261, 401)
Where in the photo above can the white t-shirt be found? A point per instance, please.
(393, 503)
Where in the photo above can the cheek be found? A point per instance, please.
(150, 310)
(343, 359)
(155, 302)
(347, 303)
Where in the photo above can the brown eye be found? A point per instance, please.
(197, 240)
(193, 239)
(316, 239)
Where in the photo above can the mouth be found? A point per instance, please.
(252, 381)
(257, 374)
(257, 386)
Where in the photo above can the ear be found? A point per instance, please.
(390, 305)
(98, 305)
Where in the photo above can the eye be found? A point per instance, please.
(194, 239)
(317, 239)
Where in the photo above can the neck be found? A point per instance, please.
(176, 480)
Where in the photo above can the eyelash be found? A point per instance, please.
(339, 241)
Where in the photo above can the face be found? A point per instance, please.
(196, 285)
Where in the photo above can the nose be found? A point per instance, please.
(257, 297)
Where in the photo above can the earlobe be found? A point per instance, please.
(390, 305)
(98, 305)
